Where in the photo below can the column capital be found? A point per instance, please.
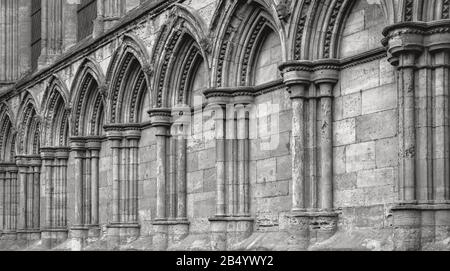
(160, 117)
(226, 95)
(77, 144)
(404, 38)
(113, 132)
(47, 154)
(296, 72)
(132, 134)
(326, 71)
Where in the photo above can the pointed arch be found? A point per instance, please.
(7, 135)
(178, 55)
(88, 100)
(29, 127)
(243, 23)
(55, 111)
(127, 79)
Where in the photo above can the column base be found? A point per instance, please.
(416, 225)
(177, 230)
(309, 227)
(160, 239)
(29, 235)
(9, 235)
(54, 237)
(122, 232)
(228, 231)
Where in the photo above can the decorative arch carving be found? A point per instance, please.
(128, 70)
(88, 100)
(56, 111)
(7, 135)
(179, 47)
(242, 23)
(28, 141)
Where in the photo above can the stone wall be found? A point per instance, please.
(318, 152)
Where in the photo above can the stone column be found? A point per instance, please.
(22, 218)
(404, 45)
(325, 78)
(36, 180)
(161, 121)
(181, 174)
(115, 137)
(59, 230)
(78, 149)
(297, 76)
(94, 147)
(219, 119)
(133, 137)
(124, 181)
(243, 160)
(47, 157)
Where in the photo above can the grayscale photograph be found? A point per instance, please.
(234, 126)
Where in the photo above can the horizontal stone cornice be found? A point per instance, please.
(227, 95)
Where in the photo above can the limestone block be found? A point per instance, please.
(379, 99)
(274, 189)
(364, 76)
(377, 126)
(209, 180)
(339, 166)
(206, 159)
(351, 105)
(284, 167)
(344, 132)
(195, 182)
(266, 170)
(387, 152)
(376, 177)
(360, 157)
(345, 181)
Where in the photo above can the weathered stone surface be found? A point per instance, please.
(331, 122)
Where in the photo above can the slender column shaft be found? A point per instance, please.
(326, 146)
(30, 198)
(55, 194)
(441, 159)
(230, 161)
(133, 144)
(64, 192)
(95, 186)
(181, 176)
(408, 144)
(36, 197)
(298, 148)
(124, 182)
(78, 171)
(48, 173)
(172, 208)
(243, 160)
(87, 192)
(8, 201)
(116, 178)
(22, 224)
(161, 171)
(312, 152)
(220, 160)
